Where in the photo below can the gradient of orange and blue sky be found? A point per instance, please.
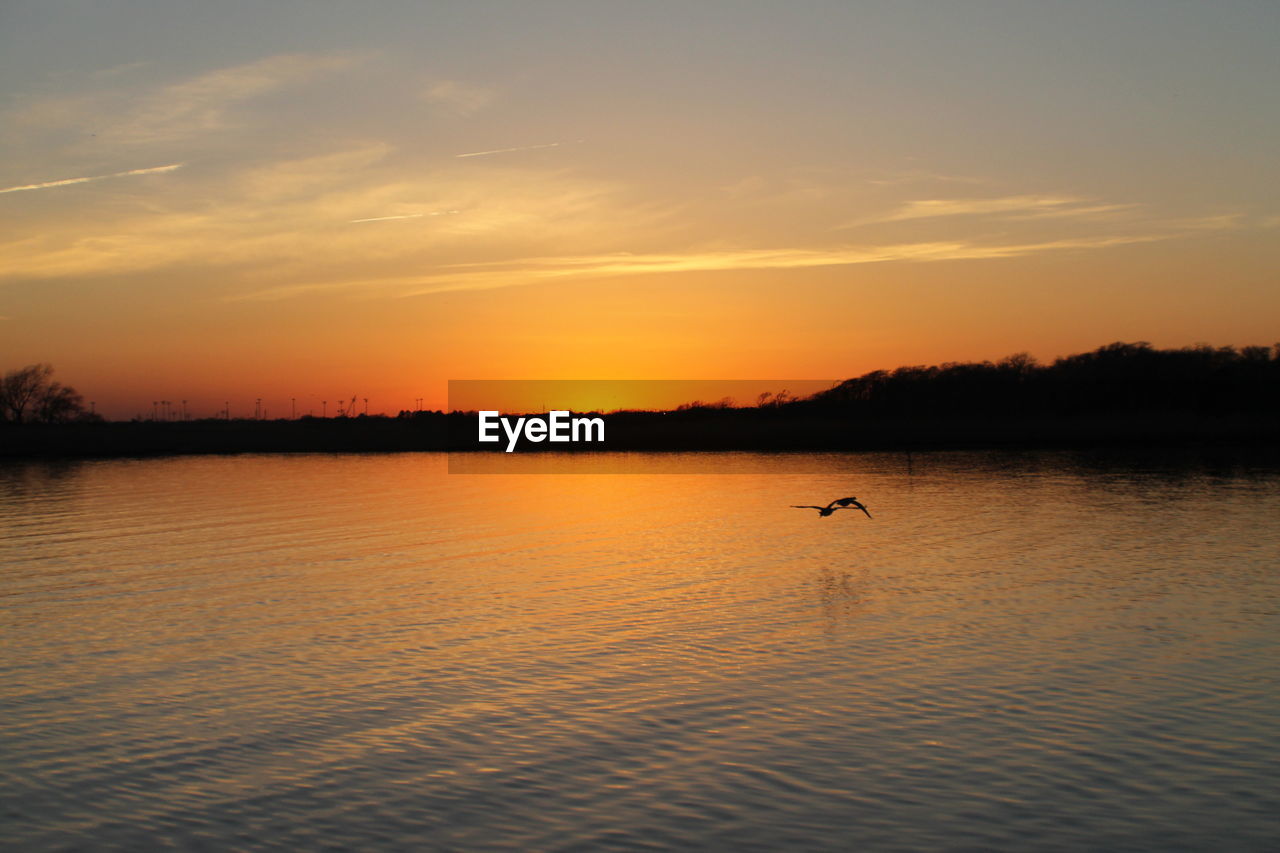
(232, 201)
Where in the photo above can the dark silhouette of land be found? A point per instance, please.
(1123, 394)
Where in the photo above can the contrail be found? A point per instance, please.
(405, 216)
(385, 218)
(154, 170)
(509, 150)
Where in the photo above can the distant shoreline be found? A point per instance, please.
(697, 431)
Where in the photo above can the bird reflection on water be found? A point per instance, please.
(839, 597)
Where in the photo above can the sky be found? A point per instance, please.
(309, 201)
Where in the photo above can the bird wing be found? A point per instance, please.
(854, 503)
(798, 506)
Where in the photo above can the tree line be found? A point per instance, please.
(1118, 378)
(32, 395)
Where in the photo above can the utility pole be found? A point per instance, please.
(324, 408)
(293, 408)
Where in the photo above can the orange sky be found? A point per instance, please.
(308, 204)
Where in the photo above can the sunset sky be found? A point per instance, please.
(230, 201)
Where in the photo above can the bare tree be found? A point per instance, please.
(32, 395)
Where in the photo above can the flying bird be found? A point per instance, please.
(838, 503)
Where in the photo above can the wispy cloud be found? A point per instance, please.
(66, 182)
(459, 98)
(930, 208)
(1082, 211)
(526, 271)
(1007, 207)
(510, 150)
(200, 104)
(292, 220)
(125, 111)
(282, 229)
(791, 258)
(1219, 222)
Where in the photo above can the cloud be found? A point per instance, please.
(932, 208)
(32, 116)
(525, 271)
(1006, 207)
(201, 104)
(461, 99)
(281, 229)
(1219, 222)
(306, 177)
(124, 111)
(290, 220)
(792, 258)
(154, 170)
(1082, 211)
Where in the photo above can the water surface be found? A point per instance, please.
(1020, 651)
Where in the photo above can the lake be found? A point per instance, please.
(1019, 651)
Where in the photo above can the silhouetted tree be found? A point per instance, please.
(30, 395)
(1116, 378)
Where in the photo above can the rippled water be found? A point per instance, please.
(1036, 651)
